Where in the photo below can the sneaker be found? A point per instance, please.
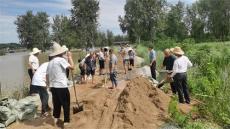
(45, 114)
(66, 125)
(56, 120)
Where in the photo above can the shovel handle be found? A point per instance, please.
(75, 93)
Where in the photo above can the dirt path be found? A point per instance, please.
(136, 104)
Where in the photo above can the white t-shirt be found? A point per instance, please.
(101, 55)
(39, 78)
(56, 72)
(126, 53)
(181, 65)
(33, 60)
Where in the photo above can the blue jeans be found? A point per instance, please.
(113, 78)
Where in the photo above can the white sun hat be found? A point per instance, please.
(35, 51)
(178, 51)
(57, 49)
(64, 46)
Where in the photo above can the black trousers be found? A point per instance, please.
(61, 98)
(153, 70)
(32, 88)
(44, 97)
(180, 81)
(30, 72)
(173, 87)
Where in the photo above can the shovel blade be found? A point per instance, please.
(77, 109)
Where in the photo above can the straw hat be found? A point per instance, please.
(178, 51)
(35, 51)
(171, 49)
(57, 49)
(130, 49)
(64, 46)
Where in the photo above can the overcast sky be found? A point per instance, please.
(10, 9)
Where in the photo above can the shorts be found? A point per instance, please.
(102, 64)
(131, 62)
(82, 71)
(90, 72)
(125, 61)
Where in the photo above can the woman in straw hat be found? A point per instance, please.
(56, 76)
(33, 66)
(180, 66)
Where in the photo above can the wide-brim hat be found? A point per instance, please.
(130, 49)
(57, 49)
(178, 51)
(35, 51)
(64, 46)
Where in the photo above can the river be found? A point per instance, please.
(12, 71)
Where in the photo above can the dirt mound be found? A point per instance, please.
(136, 104)
(140, 106)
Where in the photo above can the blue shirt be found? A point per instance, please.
(152, 55)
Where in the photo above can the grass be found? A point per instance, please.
(209, 81)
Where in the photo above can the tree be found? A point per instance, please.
(141, 20)
(110, 37)
(33, 30)
(63, 32)
(84, 18)
(175, 25)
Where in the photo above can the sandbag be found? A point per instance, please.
(11, 119)
(2, 126)
(5, 113)
(27, 113)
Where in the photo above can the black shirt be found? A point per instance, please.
(168, 62)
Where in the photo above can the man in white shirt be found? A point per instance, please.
(57, 80)
(180, 66)
(39, 82)
(125, 57)
(101, 59)
(33, 66)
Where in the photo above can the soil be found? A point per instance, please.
(135, 104)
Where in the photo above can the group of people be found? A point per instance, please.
(176, 64)
(54, 74)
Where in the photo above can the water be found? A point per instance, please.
(12, 71)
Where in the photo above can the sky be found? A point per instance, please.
(10, 9)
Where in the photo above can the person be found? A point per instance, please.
(33, 66)
(39, 81)
(57, 80)
(90, 65)
(152, 58)
(125, 57)
(180, 66)
(82, 69)
(168, 64)
(66, 57)
(113, 68)
(101, 59)
(131, 54)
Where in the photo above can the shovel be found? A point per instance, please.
(76, 108)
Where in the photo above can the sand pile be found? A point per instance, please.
(135, 105)
(140, 106)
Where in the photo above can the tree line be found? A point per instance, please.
(154, 20)
(144, 20)
(80, 30)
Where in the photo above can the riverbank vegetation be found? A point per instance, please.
(209, 81)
